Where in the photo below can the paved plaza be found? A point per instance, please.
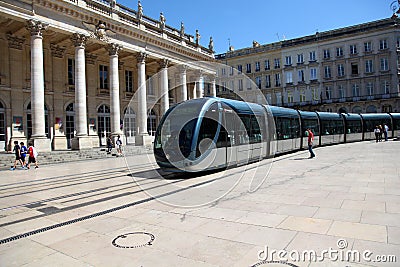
(122, 212)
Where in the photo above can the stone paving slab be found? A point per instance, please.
(346, 199)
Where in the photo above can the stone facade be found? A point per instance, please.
(352, 69)
(73, 72)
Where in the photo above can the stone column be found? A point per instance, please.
(184, 95)
(113, 50)
(200, 85)
(142, 137)
(80, 140)
(40, 140)
(164, 86)
(213, 86)
(194, 91)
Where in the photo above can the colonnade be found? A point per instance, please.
(81, 140)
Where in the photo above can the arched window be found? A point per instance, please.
(151, 122)
(29, 121)
(104, 123)
(129, 125)
(371, 109)
(357, 109)
(342, 110)
(387, 108)
(69, 123)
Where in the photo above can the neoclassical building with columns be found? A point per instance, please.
(73, 72)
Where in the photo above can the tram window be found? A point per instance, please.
(312, 124)
(287, 128)
(243, 132)
(332, 127)
(223, 138)
(354, 126)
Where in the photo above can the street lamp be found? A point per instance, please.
(395, 7)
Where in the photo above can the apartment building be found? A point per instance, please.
(351, 69)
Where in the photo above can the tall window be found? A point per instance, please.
(302, 95)
(71, 71)
(266, 63)
(240, 85)
(327, 70)
(151, 122)
(248, 84)
(356, 90)
(340, 70)
(103, 75)
(384, 64)
(327, 53)
(300, 58)
(231, 71)
(258, 82)
(128, 81)
(267, 81)
(301, 76)
(257, 66)
(290, 97)
(289, 77)
(277, 63)
(232, 85)
(288, 60)
(354, 69)
(149, 85)
(328, 92)
(367, 47)
(312, 56)
(313, 74)
(370, 88)
(385, 87)
(315, 94)
(248, 68)
(240, 69)
(129, 124)
(277, 79)
(368, 66)
(339, 51)
(353, 49)
(383, 44)
(341, 91)
(223, 72)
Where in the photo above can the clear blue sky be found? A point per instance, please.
(261, 20)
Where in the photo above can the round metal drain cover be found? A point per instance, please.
(133, 240)
(274, 264)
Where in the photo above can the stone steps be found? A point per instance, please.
(55, 157)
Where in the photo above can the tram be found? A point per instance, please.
(211, 133)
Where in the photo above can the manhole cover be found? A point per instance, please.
(273, 264)
(133, 240)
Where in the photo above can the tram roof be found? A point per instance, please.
(284, 112)
(330, 116)
(242, 107)
(352, 116)
(376, 116)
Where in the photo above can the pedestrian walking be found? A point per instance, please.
(17, 152)
(109, 144)
(310, 143)
(380, 132)
(377, 131)
(32, 156)
(24, 151)
(385, 131)
(118, 144)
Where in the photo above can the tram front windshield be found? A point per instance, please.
(175, 133)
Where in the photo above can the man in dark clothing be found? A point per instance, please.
(17, 151)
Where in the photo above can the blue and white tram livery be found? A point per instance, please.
(213, 133)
